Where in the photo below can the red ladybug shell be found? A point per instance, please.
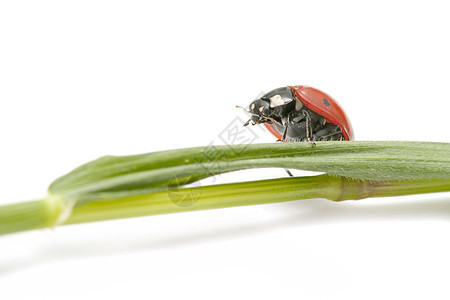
(273, 131)
(323, 105)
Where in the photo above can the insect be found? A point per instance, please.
(301, 113)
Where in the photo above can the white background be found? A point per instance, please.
(82, 79)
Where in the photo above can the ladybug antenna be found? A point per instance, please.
(244, 109)
(248, 122)
(261, 117)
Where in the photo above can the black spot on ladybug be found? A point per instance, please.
(325, 101)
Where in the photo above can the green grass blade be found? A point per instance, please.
(127, 186)
(142, 174)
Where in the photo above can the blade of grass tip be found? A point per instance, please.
(250, 193)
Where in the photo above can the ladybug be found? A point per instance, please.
(301, 113)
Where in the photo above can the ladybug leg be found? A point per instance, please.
(284, 133)
(329, 132)
(283, 138)
(308, 127)
(289, 173)
(248, 122)
(285, 122)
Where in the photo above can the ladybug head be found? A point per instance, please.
(259, 109)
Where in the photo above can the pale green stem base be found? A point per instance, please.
(29, 215)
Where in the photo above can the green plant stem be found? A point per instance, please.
(29, 215)
(44, 213)
(251, 193)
